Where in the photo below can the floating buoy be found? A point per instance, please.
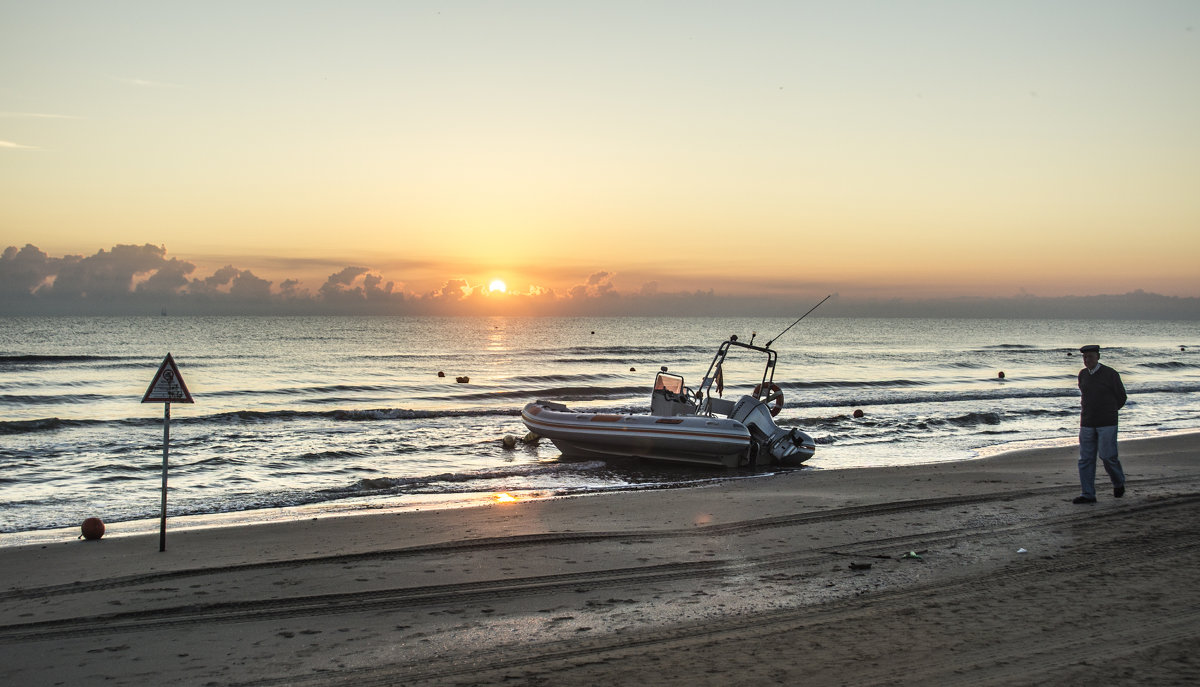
(93, 528)
(858, 412)
(462, 380)
(441, 374)
(509, 441)
(531, 438)
(1001, 375)
(633, 369)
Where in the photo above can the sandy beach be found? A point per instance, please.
(978, 572)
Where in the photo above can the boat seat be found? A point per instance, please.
(720, 406)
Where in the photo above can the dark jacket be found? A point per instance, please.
(1101, 395)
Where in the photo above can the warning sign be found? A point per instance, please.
(168, 386)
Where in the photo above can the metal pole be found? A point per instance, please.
(162, 529)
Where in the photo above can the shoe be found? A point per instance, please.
(1083, 499)
(1119, 490)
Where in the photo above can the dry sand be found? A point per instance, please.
(798, 578)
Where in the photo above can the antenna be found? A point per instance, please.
(798, 320)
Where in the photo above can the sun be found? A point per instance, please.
(497, 286)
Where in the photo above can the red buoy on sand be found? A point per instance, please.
(93, 528)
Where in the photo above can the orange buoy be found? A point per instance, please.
(462, 380)
(633, 369)
(93, 528)
(441, 374)
(1001, 375)
(858, 412)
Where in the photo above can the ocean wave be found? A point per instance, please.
(1172, 365)
(48, 424)
(851, 384)
(562, 393)
(885, 397)
(629, 399)
(255, 417)
(37, 359)
(110, 478)
(542, 379)
(106, 362)
(375, 485)
(326, 455)
(403, 357)
(48, 399)
(673, 352)
(599, 361)
(296, 390)
(974, 419)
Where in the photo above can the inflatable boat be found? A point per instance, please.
(683, 425)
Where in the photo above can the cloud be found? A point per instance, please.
(107, 274)
(248, 287)
(22, 271)
(131, 279)
(218, 279)
(453, 290)
(168, 279)
(599, 285)
(290, 289)
(358, 288)
(344, 278)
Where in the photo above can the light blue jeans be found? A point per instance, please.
(1102, 442)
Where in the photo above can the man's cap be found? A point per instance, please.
(1090, 348)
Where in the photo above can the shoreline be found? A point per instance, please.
(428, 502)
(693, 585)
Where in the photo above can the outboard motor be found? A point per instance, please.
(787, 447)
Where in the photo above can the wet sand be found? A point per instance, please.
(978, 572)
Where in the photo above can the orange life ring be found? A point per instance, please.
(775, 393)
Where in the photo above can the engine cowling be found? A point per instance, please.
(785, 446)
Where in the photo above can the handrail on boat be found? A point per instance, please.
(723, 350)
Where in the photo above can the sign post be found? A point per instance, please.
(166, 387)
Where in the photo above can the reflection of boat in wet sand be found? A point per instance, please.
(684, 425)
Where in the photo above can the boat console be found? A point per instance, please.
(670, 396)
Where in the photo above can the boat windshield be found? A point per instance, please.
(672, 383)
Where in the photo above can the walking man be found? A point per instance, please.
(1101, 395)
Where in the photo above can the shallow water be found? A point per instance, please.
(344, 413)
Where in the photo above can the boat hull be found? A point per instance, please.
(686, 439)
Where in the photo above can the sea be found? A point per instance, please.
(299, 417)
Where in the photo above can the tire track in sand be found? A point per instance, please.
(1012, 654)
(489, 591)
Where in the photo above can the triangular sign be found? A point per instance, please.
(168, 386)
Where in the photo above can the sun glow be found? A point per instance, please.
(497, 286)
(504, 497)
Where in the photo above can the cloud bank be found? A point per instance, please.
(143, 280)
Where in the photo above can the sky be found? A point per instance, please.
(419, 152)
